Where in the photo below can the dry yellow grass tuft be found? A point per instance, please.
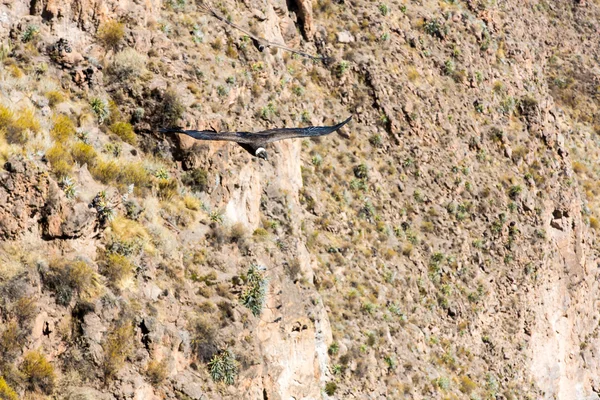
(6, 392)
(117, 268)
(111, 34)
(63, 129)
(192, 203)
(55, 97)
(126, 229)
(105, 171)
(38, 372)
(124, 130)
(117, 348)
(60, 159)
(84, 153)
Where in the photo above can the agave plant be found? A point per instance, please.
(105, 209)
(223, 367)
(100, 108)
(254, 296)
(67, 184)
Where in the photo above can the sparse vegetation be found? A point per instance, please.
(100, 108)
(38, 372)
(157, 371)
(111, 34)
(127, 65)
(117, 347)
(124, 130)
(254, 295)
(6, 392)
(223, 367)
(196, 179)
(330, 388)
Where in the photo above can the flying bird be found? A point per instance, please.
(256, 141)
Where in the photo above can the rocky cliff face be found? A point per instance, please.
(440, 246)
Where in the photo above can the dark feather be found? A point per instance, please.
(262, 137)
(240, 137)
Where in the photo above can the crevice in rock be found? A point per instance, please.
(265, 397)
(79, 312)
(145, 337)
(32, 7)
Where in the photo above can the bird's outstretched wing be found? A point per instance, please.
(240, 137)
(262, 137)
(273, 135)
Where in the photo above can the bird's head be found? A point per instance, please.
(261, 153)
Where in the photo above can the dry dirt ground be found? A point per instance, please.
(442, 245)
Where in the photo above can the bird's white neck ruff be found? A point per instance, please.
(260, 150)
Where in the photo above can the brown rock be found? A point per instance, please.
(63, 219)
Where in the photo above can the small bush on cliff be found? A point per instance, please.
(84, 153)
(38, 372)
(157, 371)
(197, 180)
(12, 341)
(117, 268)
(60, 159)
(223, 367)
(6, 392)
(111, 34)
(170, 109)
(117, 348)
(63, 128)
(55, 97)
(330, 388)
(253, 296)
(205, 334)
(127, 64)
(101, 108)
(25, 122)
(124, 130)
(66, 278)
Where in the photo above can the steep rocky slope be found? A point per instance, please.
(442, 245)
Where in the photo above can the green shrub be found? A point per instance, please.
(223, 367)
(515, 191)
(330, 388)
(30, 33)
(38, 372)
(101, 108)
(253, 296)
(170, 110)
(124, 130)
(197, 180)
(361, 171)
